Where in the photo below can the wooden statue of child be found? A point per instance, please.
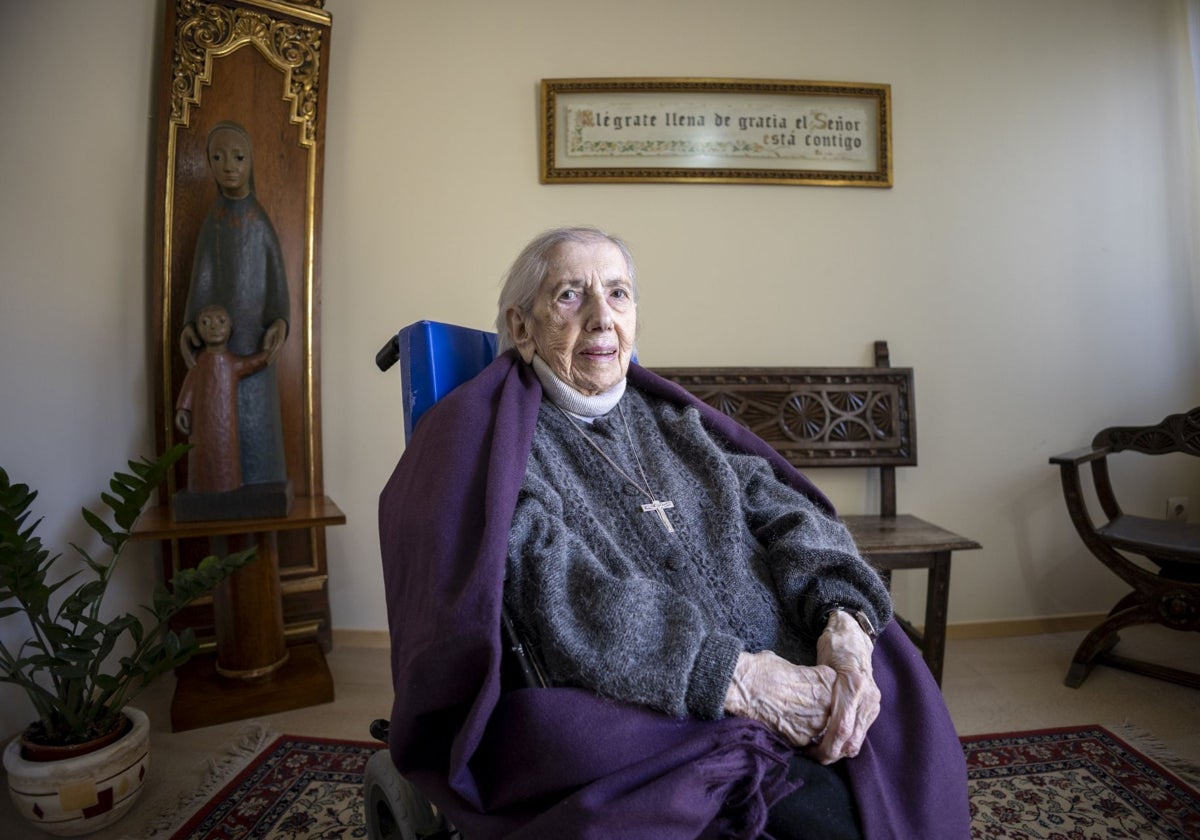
(207, 408)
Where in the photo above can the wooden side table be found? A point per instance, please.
(254, 671)
(907, 542)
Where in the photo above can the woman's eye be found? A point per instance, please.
(620, 293)
(568, 295)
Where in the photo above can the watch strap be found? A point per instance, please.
(858, 615)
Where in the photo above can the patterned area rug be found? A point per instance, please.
(299, 788)
(1077, 783)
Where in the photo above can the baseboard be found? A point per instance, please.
(960, 630)
(361, 638)
(1023, 626)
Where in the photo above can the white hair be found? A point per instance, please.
(531, 266)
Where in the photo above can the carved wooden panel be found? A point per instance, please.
(1177, 433)
(264, 65)
(816, 417)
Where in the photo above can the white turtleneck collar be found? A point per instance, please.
(569, 400)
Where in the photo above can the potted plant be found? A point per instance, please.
(81, 669)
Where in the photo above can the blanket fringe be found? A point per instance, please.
(1159, 752)
(248, 742)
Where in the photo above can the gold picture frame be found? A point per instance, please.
(699, 130)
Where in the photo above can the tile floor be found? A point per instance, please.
(990, 685)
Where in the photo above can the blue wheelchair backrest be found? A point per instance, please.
(435, 358)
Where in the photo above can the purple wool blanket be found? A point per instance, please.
(564, 762)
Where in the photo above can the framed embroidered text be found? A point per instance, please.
(763, 131)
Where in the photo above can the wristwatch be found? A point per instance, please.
(857, 615)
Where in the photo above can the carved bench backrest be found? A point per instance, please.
(819, 416)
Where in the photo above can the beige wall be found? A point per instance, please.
(1034, 262)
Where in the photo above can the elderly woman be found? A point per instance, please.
(704, 620)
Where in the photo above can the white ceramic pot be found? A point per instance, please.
(74, 796)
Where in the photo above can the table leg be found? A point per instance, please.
(937, 600)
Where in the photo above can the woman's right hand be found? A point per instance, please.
(794, 700)
(847, 649)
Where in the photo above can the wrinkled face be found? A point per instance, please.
(583, 322)
(213, 325)
(229, 157)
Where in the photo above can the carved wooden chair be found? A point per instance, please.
(1169, 594)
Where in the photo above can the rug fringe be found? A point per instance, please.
(248, 742)
(1154, 748)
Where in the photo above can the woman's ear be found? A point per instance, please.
(522, 336)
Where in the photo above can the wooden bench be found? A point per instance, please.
(847, 417)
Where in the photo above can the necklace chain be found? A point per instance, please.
(656, 505)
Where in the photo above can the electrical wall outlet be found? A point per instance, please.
(1177, 508)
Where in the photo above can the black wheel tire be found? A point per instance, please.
(395, 809)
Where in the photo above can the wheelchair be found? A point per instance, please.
(395, 808)
(434, 359)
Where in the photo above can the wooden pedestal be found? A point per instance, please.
(203, 697)
(254, 672)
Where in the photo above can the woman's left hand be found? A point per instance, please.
(846, 648)
(273, 339)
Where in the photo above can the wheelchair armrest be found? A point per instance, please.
(1081, 456)
(524, 655)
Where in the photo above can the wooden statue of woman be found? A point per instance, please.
(238, 265)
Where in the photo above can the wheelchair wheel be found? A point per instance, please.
(395, 809)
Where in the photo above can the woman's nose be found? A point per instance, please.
(599, 315)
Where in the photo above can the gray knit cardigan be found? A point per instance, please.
(617, 604)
